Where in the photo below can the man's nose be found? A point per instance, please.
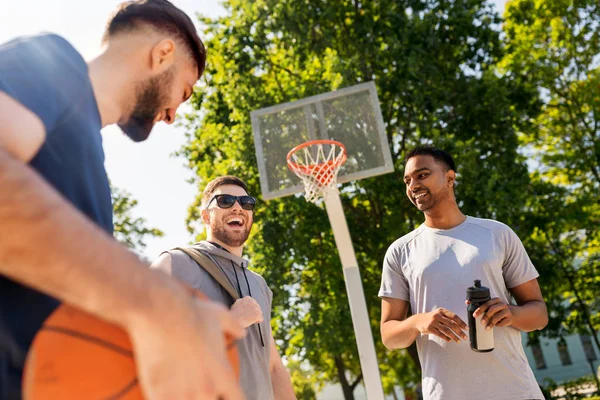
(170, 115)
(413, 185)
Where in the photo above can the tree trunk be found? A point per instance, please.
(341, 372)
(595, 374)
(569, 274)
(583, 307)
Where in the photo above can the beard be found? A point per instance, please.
(230, 238)
(151, 96)
(433, 201)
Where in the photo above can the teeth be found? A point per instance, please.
(420, 195)
(235, 219)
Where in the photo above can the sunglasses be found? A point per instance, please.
(228, 200)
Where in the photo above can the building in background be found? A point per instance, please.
(577, 356)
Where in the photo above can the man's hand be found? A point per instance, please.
(246, 311)
(442, 323)
(180, 350)
(494, 312)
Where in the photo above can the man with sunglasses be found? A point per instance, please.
(227, 213)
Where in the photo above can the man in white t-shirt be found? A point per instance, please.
(431, 268)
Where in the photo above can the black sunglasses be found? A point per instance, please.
(228, 200)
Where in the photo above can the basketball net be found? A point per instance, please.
(317, 164)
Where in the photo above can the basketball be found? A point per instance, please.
(78, 356)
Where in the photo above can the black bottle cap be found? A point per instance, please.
(477, 292)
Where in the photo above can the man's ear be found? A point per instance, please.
(162, 55)
(451, 178)
(204, 215)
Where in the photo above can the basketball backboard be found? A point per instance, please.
(351, 116)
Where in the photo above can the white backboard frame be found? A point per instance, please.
(269, 193)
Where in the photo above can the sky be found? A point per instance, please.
(146, 170)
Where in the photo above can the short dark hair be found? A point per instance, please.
(163, 16)
(438, 155)
(221, 181)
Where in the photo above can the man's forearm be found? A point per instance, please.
(47, 244)
(282, 383)
(399, 334)
(530, 316)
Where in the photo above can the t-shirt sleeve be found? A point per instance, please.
(517, 268)
(393, 281)
(38, 73)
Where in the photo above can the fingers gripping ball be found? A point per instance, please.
(78, 356)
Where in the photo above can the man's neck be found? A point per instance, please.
(112, 87)
(236, 251)
(444, 217)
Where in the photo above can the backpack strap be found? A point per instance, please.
(209, 266)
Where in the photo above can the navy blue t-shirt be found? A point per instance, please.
(49, 77)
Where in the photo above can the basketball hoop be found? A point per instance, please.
(317, 163)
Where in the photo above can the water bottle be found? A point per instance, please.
(482, 341)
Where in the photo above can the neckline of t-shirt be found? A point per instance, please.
(451, 230)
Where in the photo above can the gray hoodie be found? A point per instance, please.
(255, 376)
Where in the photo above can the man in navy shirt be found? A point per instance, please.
(55, 208)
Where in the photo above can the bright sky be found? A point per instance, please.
(146, 170)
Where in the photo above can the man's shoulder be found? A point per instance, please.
(259, 278)
(492, 225)
(43, 37)
(179, 262)
(256, 274)
(401, 242)
(49, 77)
(44, 46)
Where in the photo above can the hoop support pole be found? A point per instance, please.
(356, 298)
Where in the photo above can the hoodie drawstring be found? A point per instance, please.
(262, 341)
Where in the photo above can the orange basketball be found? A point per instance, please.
(78, 356)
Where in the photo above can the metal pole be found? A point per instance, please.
(356, 298)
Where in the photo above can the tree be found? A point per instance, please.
(553, 47)
(433, 63)
(130, 231)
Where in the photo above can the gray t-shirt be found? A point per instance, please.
(255, 375)
(432, 268)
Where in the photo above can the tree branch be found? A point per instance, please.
(356, 382)
(283, 68)
(573, 120)
(571, 279)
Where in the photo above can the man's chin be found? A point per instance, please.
(235, 240)
(423, 206)
(135, 131)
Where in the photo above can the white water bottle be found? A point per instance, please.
(481, 340)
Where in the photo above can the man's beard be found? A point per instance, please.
(151, 96)
(230, 238)
(433, 202)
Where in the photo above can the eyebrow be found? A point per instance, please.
(417, 171)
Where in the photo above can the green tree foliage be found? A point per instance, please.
(130, 231)
(434, 66)
(553, 46)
